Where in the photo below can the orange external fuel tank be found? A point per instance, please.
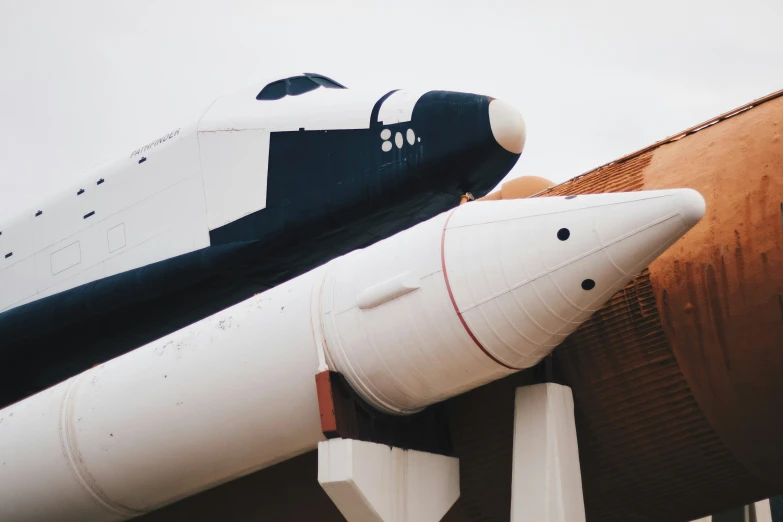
(678, 381)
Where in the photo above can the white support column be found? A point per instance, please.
(757, 512)
(546, 483)
(376, 483)
(763, 511)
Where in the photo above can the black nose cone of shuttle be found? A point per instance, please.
(470, 140)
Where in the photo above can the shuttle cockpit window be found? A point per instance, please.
(296, 85)
(301, 85)
(323, 81)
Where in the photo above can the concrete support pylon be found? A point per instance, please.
(375, 483)
(546, 478)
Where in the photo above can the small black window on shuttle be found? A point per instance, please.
(301, 85)
(296, 85)
(323, 81)
(273, 91)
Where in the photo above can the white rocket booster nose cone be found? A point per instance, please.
(692, 206)
(527, 273)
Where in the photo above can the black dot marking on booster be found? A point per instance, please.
(588, 284)
(563, 234)
(570, 197)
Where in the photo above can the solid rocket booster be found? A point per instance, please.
(453, 303)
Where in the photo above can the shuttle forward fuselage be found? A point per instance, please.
(256, 191)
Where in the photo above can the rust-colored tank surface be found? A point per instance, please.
(677, 381)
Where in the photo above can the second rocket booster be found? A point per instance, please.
(453, 303)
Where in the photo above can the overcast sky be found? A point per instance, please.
(86, 80)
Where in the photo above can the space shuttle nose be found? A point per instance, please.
(507, 126)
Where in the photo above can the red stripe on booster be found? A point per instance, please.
(454, 303)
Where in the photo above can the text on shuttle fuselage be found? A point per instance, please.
(156, 142)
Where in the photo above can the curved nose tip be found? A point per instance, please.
(507, 126)
(691, 205)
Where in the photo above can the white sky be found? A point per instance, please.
(86, 80)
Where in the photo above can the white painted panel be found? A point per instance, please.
(17, 282)
(92, 252)
(116, 237)
(398, 108)
(17, 241)
(80, 278)
(126, 183)
(179, 207)
(321, 109)
(63, 216)
(170, 224)
(167, 164)
(66, 257)
(83, 214)
(234, 165)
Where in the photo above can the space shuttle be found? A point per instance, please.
(168, 323)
